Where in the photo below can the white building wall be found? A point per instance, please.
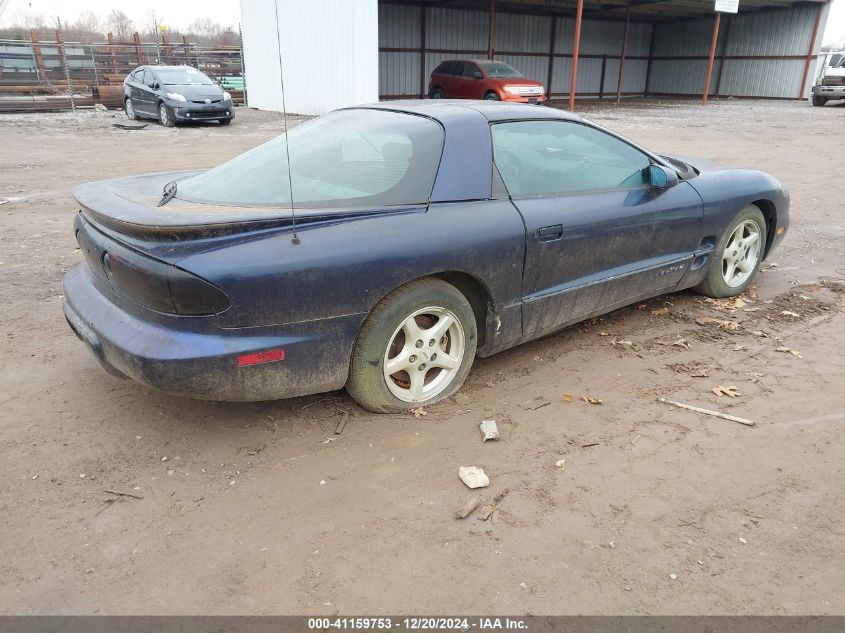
(329, 52)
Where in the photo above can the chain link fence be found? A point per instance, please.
(48, 75)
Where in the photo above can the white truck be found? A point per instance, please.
(830, 78)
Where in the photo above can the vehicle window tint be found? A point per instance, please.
(347, 158)
(470, 69)
(458, 71)
(550, 157)
(186, 76)
(445, 68)
(139, 75)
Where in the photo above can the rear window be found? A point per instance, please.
(346, 158)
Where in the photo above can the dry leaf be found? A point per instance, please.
(620, 343)
(591, 400)
(805, 298)
(642, 306)
(787, 350)
(419, 412)
(726, 391)
(740, 348)
(759, 333)
(567, 397)
(700, 373)
(659, 312)
(789, 313)
(682, 342)
(728, 326)
(603, 333)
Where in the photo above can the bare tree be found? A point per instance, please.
(205, 28)
(86, 28)
(120, 24)
(152, 21)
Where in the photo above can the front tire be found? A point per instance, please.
(819, 101)
(492, 96)
(737, 256)
(415, 348)
(225, 121)
(164, 116)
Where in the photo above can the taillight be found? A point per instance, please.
(191, 295)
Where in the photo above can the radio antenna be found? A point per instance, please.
(295, 239)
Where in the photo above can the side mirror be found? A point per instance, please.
(477, 74)
(661, 177)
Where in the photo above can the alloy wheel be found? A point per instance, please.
(741, 254)
(130, 109)
(424, 354)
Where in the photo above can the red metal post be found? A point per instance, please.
(726, 38)
(39, 58)
(490, 29)
(551, 58)
(137, 39)
(624, 51)
(112, 53)
(422, 51)
(576, 48)
(810, 52)
(709, 73)
(186, 47)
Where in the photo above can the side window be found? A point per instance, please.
(458, 70)
(139, 76)
(559, 157)
(470, 70)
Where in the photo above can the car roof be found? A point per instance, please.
(444, 109)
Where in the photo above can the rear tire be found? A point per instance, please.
(819, 101)
(438, 93)
(130, 110)
(737, 256)
(425, 370)
(164, 116)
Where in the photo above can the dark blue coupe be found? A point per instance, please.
(426, 233)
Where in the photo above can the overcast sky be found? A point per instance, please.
(180, 13)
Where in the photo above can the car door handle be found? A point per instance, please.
(549, 233)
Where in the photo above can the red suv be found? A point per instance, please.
(483, 79)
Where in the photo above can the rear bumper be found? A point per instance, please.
(204, 364)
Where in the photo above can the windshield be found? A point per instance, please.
(183, 77)
(499, 69)
(346, 158)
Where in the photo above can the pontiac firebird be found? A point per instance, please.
(381, 248)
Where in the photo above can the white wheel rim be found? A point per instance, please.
(742, 252)
(162, 114)
(130, 111)
(424, 354)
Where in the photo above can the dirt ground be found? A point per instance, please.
(261, 508)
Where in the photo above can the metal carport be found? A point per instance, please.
(601, 48)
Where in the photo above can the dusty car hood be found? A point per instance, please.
(195, 92)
